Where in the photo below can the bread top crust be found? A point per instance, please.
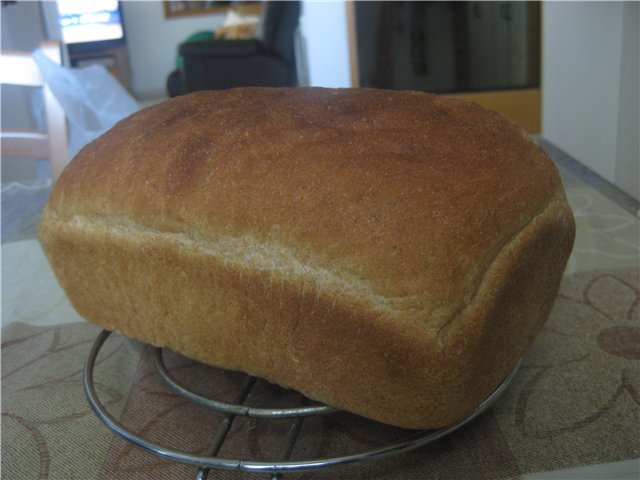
(399, 201)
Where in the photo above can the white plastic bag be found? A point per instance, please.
(91, 97)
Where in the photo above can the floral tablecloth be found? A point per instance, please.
(572, 411)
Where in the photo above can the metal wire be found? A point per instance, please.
(225, 426)
(236, 409)
(275, 468)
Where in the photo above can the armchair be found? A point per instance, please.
(219, 64)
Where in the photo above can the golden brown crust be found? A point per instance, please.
(390, 253)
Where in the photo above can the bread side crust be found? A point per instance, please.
(305, 328)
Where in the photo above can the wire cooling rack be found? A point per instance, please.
(275, 469)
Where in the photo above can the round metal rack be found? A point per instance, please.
(274, 468)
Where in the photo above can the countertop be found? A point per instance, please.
(571, 412)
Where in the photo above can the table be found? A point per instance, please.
(572, 411)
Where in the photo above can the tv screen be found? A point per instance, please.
(90, 22)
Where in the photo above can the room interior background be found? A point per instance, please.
(588, 66)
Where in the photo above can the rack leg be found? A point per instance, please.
(290, 440)
(225, 426)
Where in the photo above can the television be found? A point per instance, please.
(90, 25)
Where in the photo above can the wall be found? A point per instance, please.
(628, 147)
(153, 43)
(323, 26)
(590, 86)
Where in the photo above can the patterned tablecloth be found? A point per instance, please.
(571, 412)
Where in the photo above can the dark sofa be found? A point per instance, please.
(219, 64)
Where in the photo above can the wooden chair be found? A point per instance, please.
(19, 68)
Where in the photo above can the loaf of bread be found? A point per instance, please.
(389, 253)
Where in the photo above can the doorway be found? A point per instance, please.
(488, 52)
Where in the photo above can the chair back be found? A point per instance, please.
(279, 26)
(19, 68)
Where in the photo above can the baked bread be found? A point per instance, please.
(389, 253)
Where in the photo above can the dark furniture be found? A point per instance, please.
(219, 64)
